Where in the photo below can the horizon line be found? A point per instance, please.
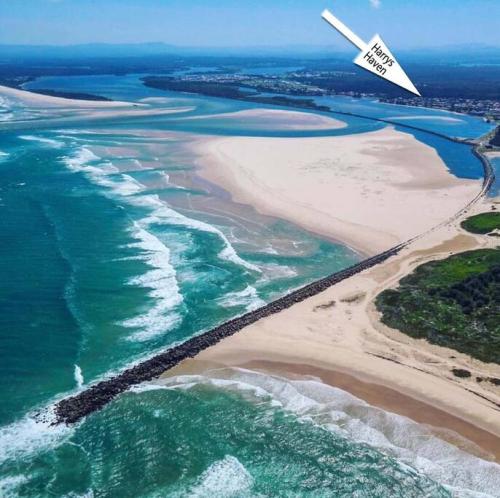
(235, 48)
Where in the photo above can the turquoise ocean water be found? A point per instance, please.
(112, 249)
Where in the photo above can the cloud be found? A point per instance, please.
(375, 3)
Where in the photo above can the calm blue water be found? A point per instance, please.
(495, 190)
(112, 250)
(448, 123)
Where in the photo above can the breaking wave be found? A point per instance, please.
(56, 144)
(129, 188)
(27, 436)
(162, 282)
(248, 297)
(412, 444)
(225, 478)
(164, 215)
(79, 377)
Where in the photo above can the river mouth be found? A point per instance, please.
(122, 296)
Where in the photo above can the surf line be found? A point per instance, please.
(72, 409)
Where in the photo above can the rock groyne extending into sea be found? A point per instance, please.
(74, 408)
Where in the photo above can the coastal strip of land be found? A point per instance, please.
(337, 336)
(48, 101)
(370, 191)
(330, 327)
(273, 119)
(69, 110)
(95, 397)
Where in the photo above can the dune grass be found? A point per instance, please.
(454, 302)
(482, 223)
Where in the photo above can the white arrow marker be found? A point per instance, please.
(374, 56)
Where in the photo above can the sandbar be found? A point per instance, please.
(370, 191)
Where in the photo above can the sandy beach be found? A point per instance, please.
(370, 191)
(337, 337)
(493, 154)
(278, 119)
(346, 188)
(75, 109)
(40, 100)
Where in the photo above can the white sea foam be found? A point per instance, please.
(226, 478)
(79, 159)
(122, 185)
(79, 377)
(5, 114)
(161, 279)
(9, 485)
(165, 176)
(56, 144)
(248, 297)
(125, 185)
(164, 215)
(161, 214)
(272, 271)
(410, 443)
(3, 156)
(162, 282)
(27, 436)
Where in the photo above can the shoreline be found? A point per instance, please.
(323, 184)
(73, 110)
(44, 100)
(444, 425)
(338, 330)
(455, 390)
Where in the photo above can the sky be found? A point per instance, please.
(244, 23)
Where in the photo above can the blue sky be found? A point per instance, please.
(238, 23)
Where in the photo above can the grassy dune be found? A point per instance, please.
(453, 303)
(482, 223)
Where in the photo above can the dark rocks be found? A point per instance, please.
(72, 409)
(492, 380)
(461, 372)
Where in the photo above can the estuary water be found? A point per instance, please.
(112, 250)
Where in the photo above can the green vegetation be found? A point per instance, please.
(228, 91)
(72, 95)
(453, 303)
(482, 223)
(495, 139)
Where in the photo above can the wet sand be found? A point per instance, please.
(370, 191)
(339, 331)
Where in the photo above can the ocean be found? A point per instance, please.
(113, 249)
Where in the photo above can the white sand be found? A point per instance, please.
(370, 191)
(39, 100)
(339, 330)
(90, 109)
(279, 119)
